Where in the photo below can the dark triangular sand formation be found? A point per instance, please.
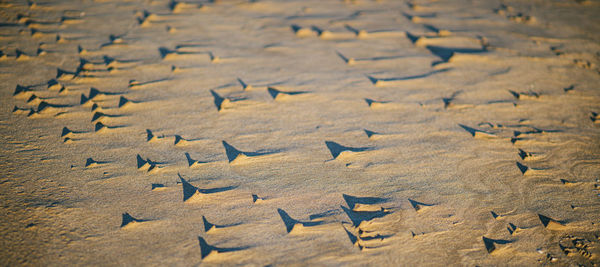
(231, 152)
(128, 219)
(291, 224)
(146, 164)
(123, 101)
(156, 186)
(370, 133)
(66, 75)
(211, 226)
(524, 169)
(20, 55)
(524, 155)
(512, 229)
(44, 106)
(288, 221)
(141, 163)
(33, 99)
(300, 31)
(192, 162)
(65, 132)
(180, 141)
(150, 136)
(54, 85)
(496, 216)
(99, 115)
(336, 149)
(206, 249)
(84, 100)
(234, 154)
(219, 100)
(18, 110)
(551, 224)
(413, 38)
(190, 191)
(374, 103)
(477, 133)
(353, 238)
(164, 52)
(446, 53)
(21, 90)
(93, 163)
(275, 93)
(100, 127)
(418, 205)
(390, 81)
(257, 199)
(490, 244)
(94, 92)
(207, 226)
(89, 162)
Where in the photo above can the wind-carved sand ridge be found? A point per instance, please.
(129, 221)
(223, 103)
(147, 164)
(293, 226)
(126, 103)
(100, 127)
(353, 61)
(90, 163)
(362, 211)
(418, 206)
(237, 156)
(257, 199)
(338, 150)
(207, 250)
(211, 227)
(279, 95)
(395, 81)
(191, 162)
(180, 141)
(456, 133)
(194, 194)
(477, 133)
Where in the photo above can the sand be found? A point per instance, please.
(300, 133)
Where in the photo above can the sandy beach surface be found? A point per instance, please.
(300, 133)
